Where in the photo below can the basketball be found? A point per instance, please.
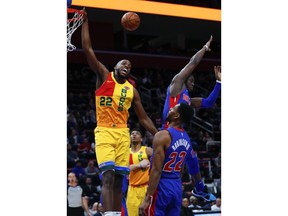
(130, 21)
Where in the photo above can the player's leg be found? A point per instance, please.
(105, 155)
(131, 201)
(135, 197)
(121, 164)
(117, 191)
(200, 190)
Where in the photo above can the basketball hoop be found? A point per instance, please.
(74, 20)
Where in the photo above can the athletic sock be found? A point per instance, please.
(199, 186)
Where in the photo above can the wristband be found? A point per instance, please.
(206, 47)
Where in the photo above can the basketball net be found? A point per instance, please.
(72, 25)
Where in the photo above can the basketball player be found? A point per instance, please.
(171, 150)
(139, 172)
(178, 92)
(114, 96)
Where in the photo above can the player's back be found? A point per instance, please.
(168, 197)
(175, 155)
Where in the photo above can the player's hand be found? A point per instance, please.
(144, 206)
(84, 14)
(217, 70)
(145, 164)
(208, 43)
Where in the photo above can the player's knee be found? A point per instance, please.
(108, 178)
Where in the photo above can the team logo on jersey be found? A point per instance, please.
(122, 98)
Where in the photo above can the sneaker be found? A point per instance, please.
(204, 194)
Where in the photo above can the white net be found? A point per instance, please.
(72, 25)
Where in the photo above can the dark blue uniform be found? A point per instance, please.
(168, 195)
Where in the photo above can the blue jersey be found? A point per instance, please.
(170, 102)
(168, 195)
(179, 152)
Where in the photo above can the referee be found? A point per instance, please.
(76, 199)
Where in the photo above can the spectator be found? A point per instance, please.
(217, 205)
(72, 156)
(73, 138)
(91, 169)
(91, 191)
(84, 147)
(185, 211)
(194, 204)
(78, 169)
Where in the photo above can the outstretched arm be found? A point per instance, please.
(179, 79)
(208, 102)
(159, 141)
(95, 65)
(144, 120)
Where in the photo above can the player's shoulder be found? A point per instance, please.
(162, 135)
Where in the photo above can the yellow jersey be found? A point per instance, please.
(113, 101)
(140, 176)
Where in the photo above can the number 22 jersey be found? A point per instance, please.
(113, 101)
(179, 152)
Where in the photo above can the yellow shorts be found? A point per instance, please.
(135, 197)
(112, 149)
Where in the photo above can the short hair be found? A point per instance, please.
(186, 113)
(137, 129)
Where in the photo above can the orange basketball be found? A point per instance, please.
(130, 21)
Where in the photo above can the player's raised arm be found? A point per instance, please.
(95, 65)
(178, 82)
(144, 120)
(199, 102)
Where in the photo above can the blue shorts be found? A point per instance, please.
(167, 199)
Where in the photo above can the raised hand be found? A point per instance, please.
(217, 70)
(207, 45)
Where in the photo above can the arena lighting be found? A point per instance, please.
(152, 7)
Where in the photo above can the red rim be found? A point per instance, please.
(71, 10)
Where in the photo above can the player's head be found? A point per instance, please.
(190, 82)
(180, 113)
(123, 68)
(136, 136)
